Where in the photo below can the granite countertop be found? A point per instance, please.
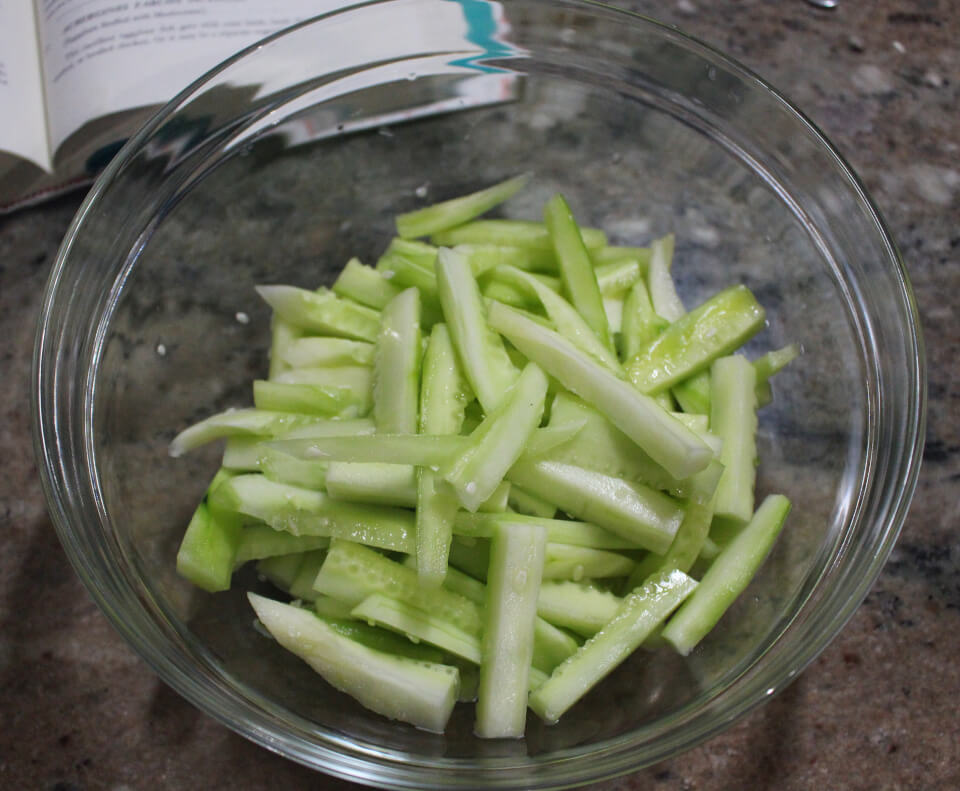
(878, 709)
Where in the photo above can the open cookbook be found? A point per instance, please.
(77, 77)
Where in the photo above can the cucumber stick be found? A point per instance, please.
(667, 441)
(306, 512)
(372, 482)
(316, 352)
(457, 211)
(322, 312)
(728, 576)
(576, 268)
(396, 380)
(513, 584)
(733, 418)
(581, 608)
(640, 323)
(418, 624)
(421, 693)
(499, 440)
(282, 336)
(513, 233)
(208, 550)
(238, 423)
(663, 292)
(688, 345)
(635, 512)
(568, 322)
(262, 541)
(559, 531)
(480, 351)
(365, 285)
(636, 618)
(444, 394)
(353, 572)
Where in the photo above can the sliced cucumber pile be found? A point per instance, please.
(491, 466)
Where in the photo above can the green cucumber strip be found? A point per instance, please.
(484, 257)
(281, 570)
(691, 343)
(770, 364)
(698, 424)
(238, 422)
(728, 576)
(396, 380)
(319, 352)
(576, 269)
(616, 277)
(612, 254)
(413, 691)
(262, 541)
(638, 615)
(550, 644)
(510, 294)
(513, 583)
(245, 453)
(302, 585)
(331, 609)
(308, 513)
(640, 323)
(425, 450)
(354, 379)
(283, 468)
(774, 361)
(418, 624)
(645, 517)
(444, 395)
(559, 531)
(667, 441)
(733, 418)
(566, 562)
(602, 447)
(564, 316)
(499, 440)
(457, 211)
(353, 572)
(663, 291)
(405, 273)
(322, 312)
(305, 399)
(684, 550)
(498, 502)
(513, 233)
(420, 253)
(481, 353)
(613, 308)
(282, 335)
(470, 555)
(380, 639)
(437, 506)
(208, 550)
(524, 502)
(373, 482)
(365, 285)
(693, 393)
(710, 550)
(578, 607)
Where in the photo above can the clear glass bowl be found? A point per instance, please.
(295, 155)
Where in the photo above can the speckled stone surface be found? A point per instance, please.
(878, 709)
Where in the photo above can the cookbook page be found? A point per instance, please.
(107, 56)
(23, 127)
